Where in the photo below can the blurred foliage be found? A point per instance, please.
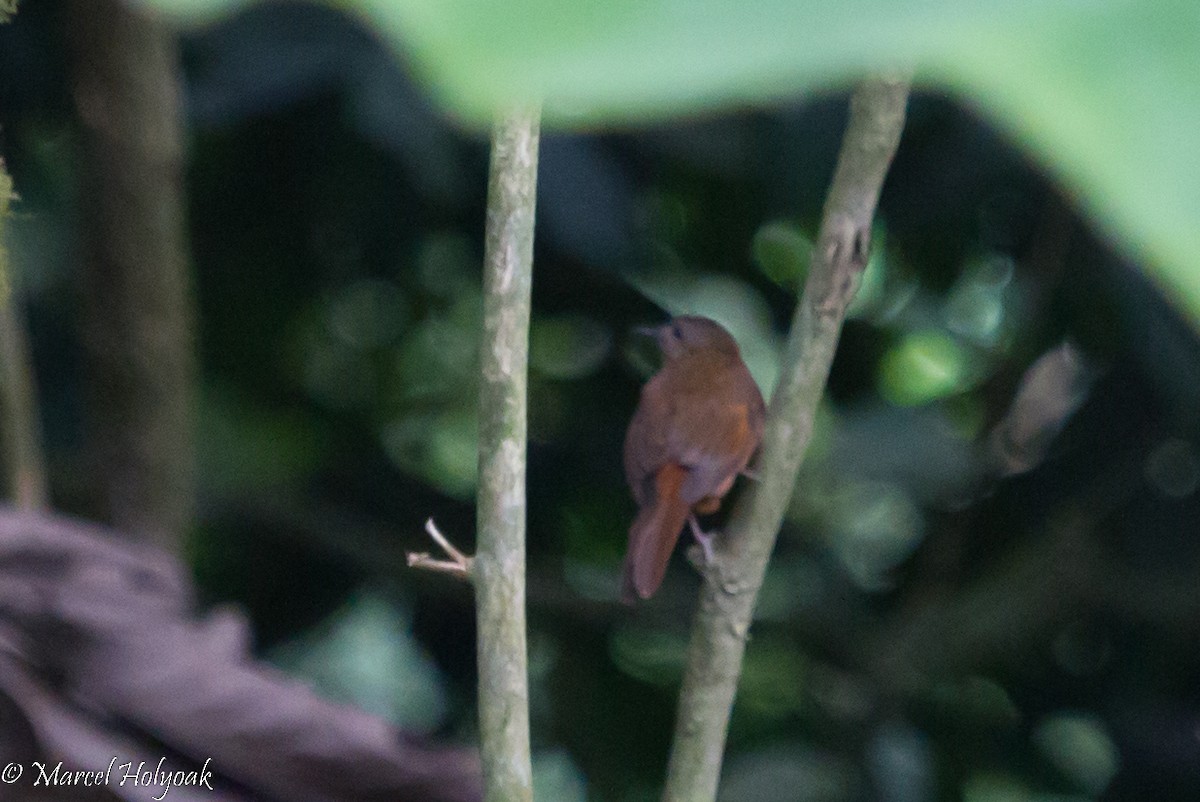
(782, 252)
(364, 655)
(1079, 746)
(1104, 94)
(556, 777)
(928, 630)
(924, 366)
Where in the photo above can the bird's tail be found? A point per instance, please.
(653, 535)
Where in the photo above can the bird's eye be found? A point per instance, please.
(676, 331)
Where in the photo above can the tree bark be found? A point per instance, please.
(137, 312)
(20, 430)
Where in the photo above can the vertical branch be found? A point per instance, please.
(499, 564)
(137, 314)
(731, 584)
(20, 435)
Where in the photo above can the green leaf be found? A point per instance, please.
(366, 655)
(782, 252)
(1103, 94)
(1108, 100)
(1080, 746)
(924, 366)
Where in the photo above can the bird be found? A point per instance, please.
(698, 422)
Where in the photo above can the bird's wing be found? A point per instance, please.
(715, 442)
(646, 448)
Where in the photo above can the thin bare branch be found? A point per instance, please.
(732, 582)
(458, 565)
(499, 569)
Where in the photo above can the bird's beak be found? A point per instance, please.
(649, 331)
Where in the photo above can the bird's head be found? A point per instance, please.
(691, 334)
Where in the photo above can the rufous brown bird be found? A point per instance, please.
(699, 421)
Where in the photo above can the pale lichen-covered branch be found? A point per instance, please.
(498, 567)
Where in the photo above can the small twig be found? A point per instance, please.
(459, 564)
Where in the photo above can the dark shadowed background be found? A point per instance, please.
(954, 611)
